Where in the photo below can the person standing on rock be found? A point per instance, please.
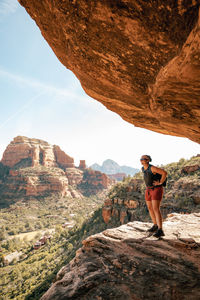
(155, 179)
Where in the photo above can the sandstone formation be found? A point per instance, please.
(93, 181)
(82, 164)
(62, 159)
(117, 176)
(34, 168)
(35, 152)
(190, 169)
(141, 59)
(125, 201)
(36, 182)
(124, 263)
(186, 187)
(74, 175)
(123, 208)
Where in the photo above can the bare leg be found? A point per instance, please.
(157, 213)
(151, 211)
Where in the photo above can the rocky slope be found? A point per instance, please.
(110, 167)
(34, 168)
(139, 58)
(125, 201)
(123, 263)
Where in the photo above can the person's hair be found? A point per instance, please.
(149, 157)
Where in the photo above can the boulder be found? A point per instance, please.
(190, 169)
(106, 213)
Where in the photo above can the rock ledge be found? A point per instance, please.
(123, 263)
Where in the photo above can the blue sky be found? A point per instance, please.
(40, 98)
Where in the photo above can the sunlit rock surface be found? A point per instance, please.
(141, 59)
(124, 263)
(34, 168)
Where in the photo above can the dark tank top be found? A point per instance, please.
(149, 177)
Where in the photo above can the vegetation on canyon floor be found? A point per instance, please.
(30, 275)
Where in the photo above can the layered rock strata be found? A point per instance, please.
(93, 181)
(123, 208)
(62, 159)
(82, 164)
(35, 152)
(140, 59)
(34, 168)
(124, 263)
(37, 182)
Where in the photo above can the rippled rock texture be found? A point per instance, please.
(123, 263)
(141, 59)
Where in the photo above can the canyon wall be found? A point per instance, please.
(35, 151)
(34, 168)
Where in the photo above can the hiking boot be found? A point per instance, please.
(159, 233)
(153, 228)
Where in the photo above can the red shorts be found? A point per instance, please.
(155, 193)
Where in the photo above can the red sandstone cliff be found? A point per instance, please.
(37, 151)
(123, 208)
(37, 169)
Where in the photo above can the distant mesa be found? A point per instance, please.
(115, 171)
(34, 168)
(35, 152)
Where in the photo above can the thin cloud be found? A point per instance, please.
(8, 7)
(24, 107)
(37, 85)
(61, 95)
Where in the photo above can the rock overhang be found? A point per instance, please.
(140, 59)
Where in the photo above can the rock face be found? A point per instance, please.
(93, 181)
(117, 176)
(123, 208)
(34, 168)
(82, 164)
(186, 187)
(140, 59)
(123, 263)
(62, 159)
(74, 175)
(190, 169)
(38, 152)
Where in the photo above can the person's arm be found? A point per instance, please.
(161, 172)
